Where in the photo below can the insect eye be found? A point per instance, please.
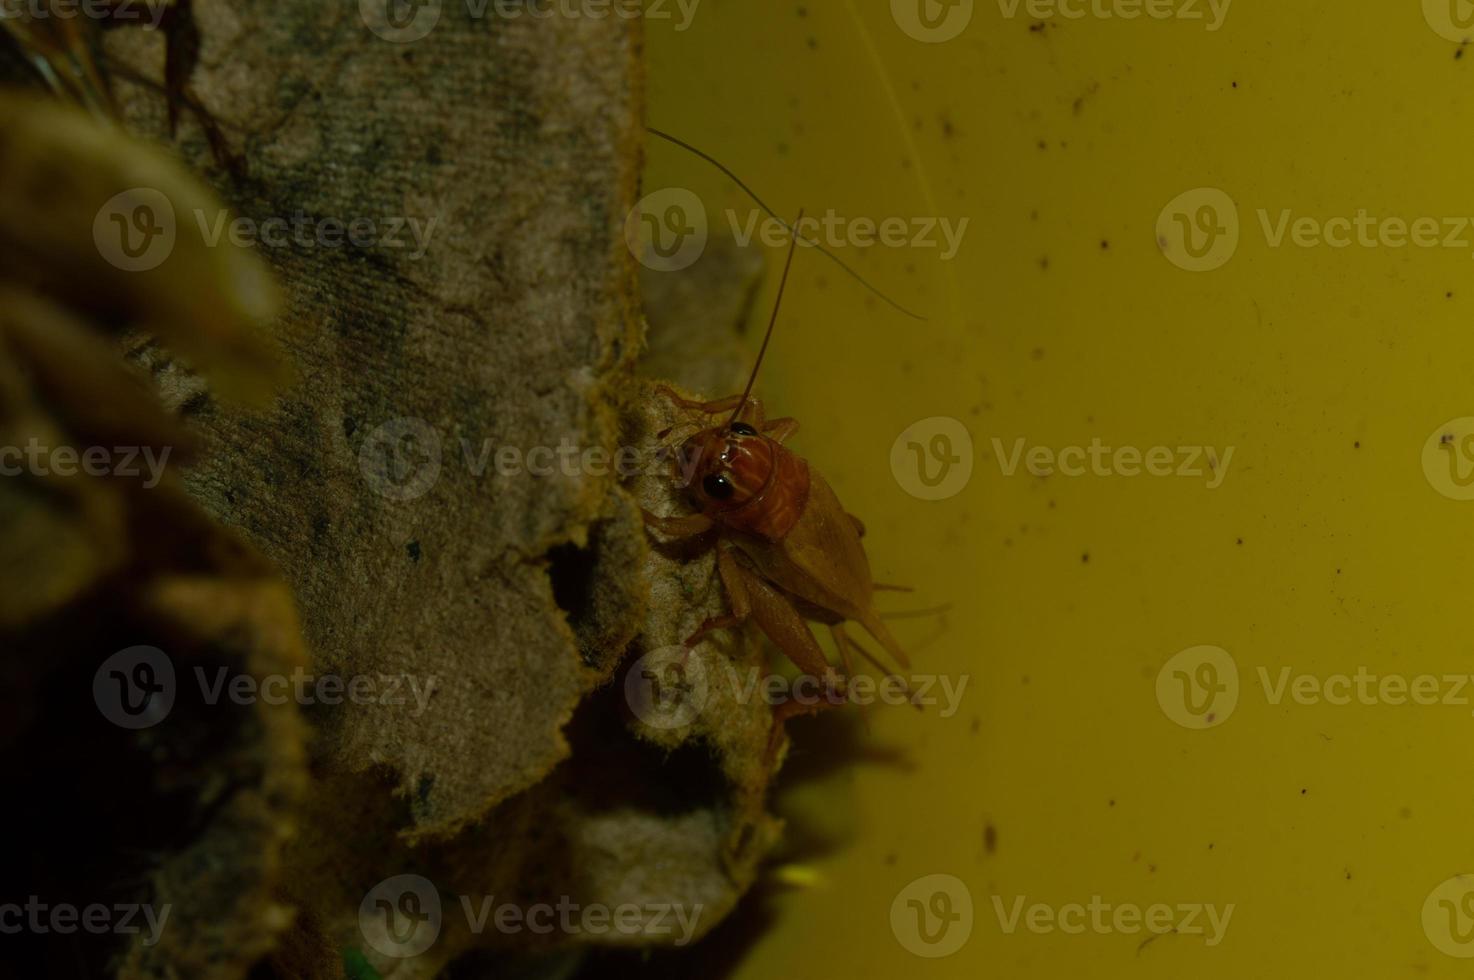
(716, 486)
(742, 429)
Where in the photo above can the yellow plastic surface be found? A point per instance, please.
(1328, 540)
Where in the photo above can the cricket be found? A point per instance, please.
(787, 552)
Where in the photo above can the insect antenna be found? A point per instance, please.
(918, 613)
(676, 141)
(772, 321)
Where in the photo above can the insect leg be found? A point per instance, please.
(783, 624)
(716, 407)
(780, 430)
(752, 412)
(737, 598)
(843, 639)
(871, 621)
(686, 526)
(842, 643)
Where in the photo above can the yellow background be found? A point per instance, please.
(1325, 548)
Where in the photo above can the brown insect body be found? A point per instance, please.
(770, 485)
(823, 563)
(787, 550)
(786, 519)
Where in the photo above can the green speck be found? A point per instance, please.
(357, 966)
